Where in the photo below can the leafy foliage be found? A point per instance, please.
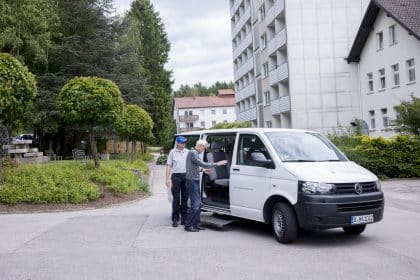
(408, 115)
(91, 101)
(199, 89)
(134, 124)
(69, 182)
(396, 157)
(17, 89)
(232, 125)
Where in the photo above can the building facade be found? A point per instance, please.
(289, 62)
(204, 112)
(387, 52)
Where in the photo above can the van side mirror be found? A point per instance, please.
(260, 160)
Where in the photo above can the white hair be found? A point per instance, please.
(202, 142)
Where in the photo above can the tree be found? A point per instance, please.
(198, 89)
(153, 47)
(408, 115)
(90, 102)
(232, 125)
(17, 90)
(27, 28)
(135, 124)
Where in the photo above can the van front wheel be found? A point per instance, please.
(284, 223)
(354, 230)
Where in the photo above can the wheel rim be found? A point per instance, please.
(278, 222)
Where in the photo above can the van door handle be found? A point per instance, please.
(236, 169)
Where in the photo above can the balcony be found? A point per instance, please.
(274, 11)
(280, 105)
(242, 45)
(248, 115)
(279, 74)
(245, 92)
(244, 69)
(187, 129)
(243, 19)
(189, 118)
(235, 7)
(277, 42)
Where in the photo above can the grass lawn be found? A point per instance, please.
(70, 182)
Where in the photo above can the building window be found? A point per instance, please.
(224, 111)
(261, 13)
(264, 41)
(265, 69)
(190, 125)
(213, 112)
(268, 124)
(392, 35)
(380, 40)
(202, 112)
(188, 113)
(267, 97)
(396, 74)
(382, 83)
(385, 122)
(411, 70)
(372, 119)
(203, 124)
(213, 123)
(370, 81)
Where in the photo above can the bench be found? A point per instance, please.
(80, 155)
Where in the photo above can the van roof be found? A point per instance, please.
(250, 129)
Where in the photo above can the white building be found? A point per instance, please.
(289, 62)
(203, 112)
(387, 52)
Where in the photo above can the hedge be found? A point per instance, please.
(397, 157)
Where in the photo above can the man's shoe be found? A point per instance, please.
(191, 229)
(175, 223)
(182, 223)
(200, 228)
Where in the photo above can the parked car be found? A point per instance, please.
(292, 179)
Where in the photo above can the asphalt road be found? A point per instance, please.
(136, 241)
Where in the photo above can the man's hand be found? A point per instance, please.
(206, 171)
(222, 162)
(169, 183)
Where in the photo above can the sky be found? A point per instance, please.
(199, 32)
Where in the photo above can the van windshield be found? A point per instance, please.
(297, 146)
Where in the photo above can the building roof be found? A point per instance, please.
(204, 101)
(224, 92)
(405, 12)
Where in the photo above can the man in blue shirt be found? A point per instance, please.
(176, 163)
(193, 164)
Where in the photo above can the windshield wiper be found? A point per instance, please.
(332, 160)
(299, 160)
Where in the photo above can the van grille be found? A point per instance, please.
(359, 206)
(349, 188)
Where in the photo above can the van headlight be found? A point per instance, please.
(378, 185)
(317, 188)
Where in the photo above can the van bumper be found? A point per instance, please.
(328, 211)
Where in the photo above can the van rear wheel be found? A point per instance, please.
(284, 223)
(354, 230)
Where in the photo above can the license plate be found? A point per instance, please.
(363, 219)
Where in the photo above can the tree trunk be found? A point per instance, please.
(133, 150)
(93, 148)
(127, 149)
(1, 169)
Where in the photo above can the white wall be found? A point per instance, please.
(205, 115)
(323, 87)
(372, 60)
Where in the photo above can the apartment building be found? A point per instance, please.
(204, 112)
(387, 52)
(289, 62)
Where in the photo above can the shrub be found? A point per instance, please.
(395, 157)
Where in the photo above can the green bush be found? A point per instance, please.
(69, 181)
(397, 157)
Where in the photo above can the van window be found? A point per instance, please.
(249, 144)
(191, 140)
(303, 146)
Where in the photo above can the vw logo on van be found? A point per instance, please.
(358, 188)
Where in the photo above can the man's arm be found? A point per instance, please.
(168, 170)
(196, 160)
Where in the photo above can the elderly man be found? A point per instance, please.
(176, 163)
(194, 163)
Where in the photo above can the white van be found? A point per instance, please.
(292, 179)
